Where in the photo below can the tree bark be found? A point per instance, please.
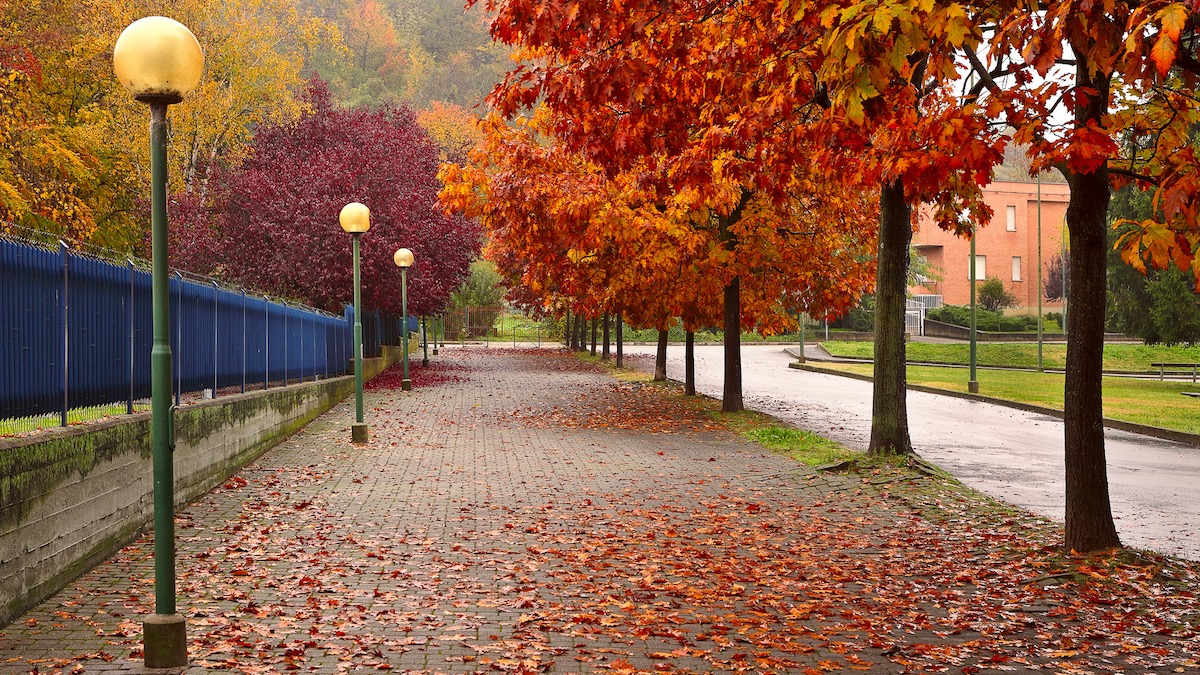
(606, 350)
(567, 331)
(595, 325)
(889, 409)
(1088, 516)
(731, 396)
(620, 341)
(660, 358)
(689, 365)
(1089, 521)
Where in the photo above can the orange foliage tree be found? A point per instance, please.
(580, 239)
(698, 98)
(888, 68)
(1124, 75)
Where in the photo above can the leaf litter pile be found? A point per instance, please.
(483, 531)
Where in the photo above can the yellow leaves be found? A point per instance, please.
(1159, 243)
(1171, 21)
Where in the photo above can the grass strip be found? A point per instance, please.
(1149, 402)
(1117, 357)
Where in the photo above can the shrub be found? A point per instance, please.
(994, 297)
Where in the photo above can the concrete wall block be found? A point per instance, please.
(72, 497)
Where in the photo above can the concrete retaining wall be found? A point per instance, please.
(71, 497)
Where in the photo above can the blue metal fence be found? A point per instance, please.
(77, 333)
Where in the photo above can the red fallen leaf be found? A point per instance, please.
(622, 666)
(239, 572)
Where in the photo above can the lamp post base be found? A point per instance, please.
(435, 351)
(358, 432)
(973, 386)
(164, 641)
(406, 384)
(425, 362)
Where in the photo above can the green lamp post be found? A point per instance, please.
(973, 382)
(356, 219)
(159, 62)
(424, 342)
(404, 260)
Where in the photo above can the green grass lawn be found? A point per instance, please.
(1117, 357)
(1151, 402)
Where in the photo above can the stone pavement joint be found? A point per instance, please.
(532, 515)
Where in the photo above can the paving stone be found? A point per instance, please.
(511, 519)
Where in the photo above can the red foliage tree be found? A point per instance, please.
(275, 217)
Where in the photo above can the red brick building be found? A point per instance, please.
(1006, 248)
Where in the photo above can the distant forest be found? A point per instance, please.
(412, 51)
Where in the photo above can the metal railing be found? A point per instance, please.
(77, 335)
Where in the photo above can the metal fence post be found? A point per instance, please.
(216, 346)
(266, 343)
(178, 341)
(132, 276)
(64, 304)
(286, 355)
(244, 342)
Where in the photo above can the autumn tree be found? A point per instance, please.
(454, 128)
(888, 68)
(78, 135)
(276, 220)
(59, 170)
(682, 88)
(1123, 74)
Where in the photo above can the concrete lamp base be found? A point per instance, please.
(973, 386)
(165, 641)
(358, 432)
(435, 351)
(406, 384)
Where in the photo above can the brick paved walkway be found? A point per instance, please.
(530, 514)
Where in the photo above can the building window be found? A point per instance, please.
(1011, 212)
(980, 268)
(1016, 268)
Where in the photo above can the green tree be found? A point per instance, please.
(1128, 296)
(477, 303)
(1175, 312)
(994, 297)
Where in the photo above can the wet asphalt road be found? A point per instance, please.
(1007, 453)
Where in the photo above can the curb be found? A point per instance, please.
(1145, 430)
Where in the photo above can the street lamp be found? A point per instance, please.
(159, 62)
(404, 260)
(356, 219)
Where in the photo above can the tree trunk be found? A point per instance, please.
(731, 397)
(567, 331)
(595, 325)
(689, 365)
(889, 410)
(620, 341)
(660, 358)
(606, 351)
(1089, 521)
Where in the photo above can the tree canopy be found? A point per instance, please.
(274, 223)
